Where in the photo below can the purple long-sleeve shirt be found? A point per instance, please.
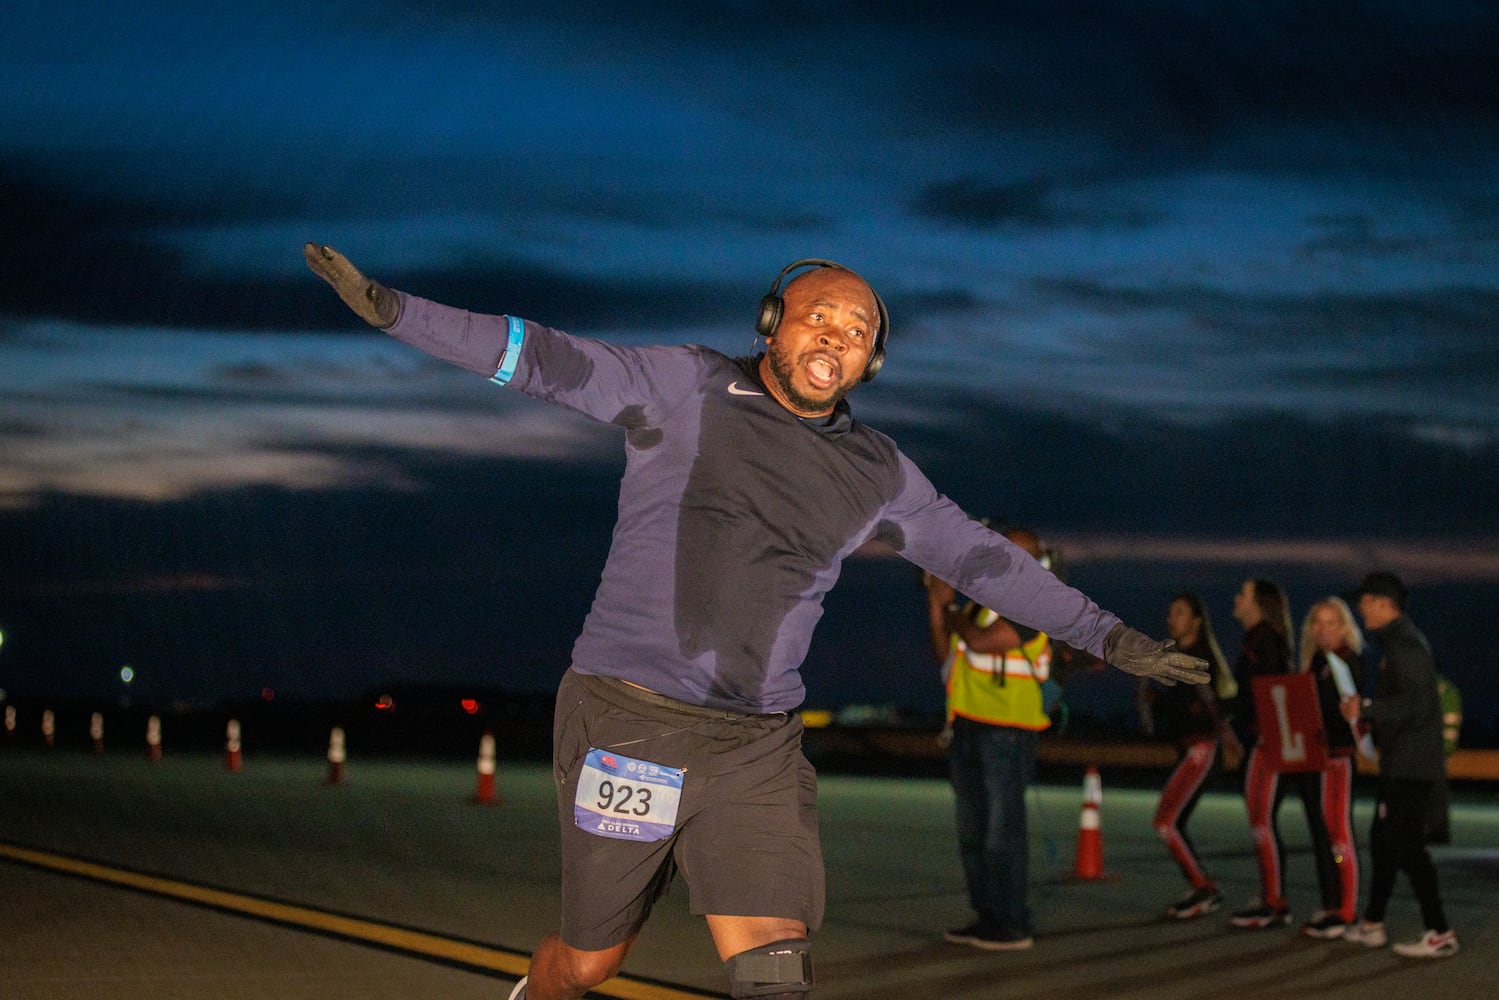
(735, 515)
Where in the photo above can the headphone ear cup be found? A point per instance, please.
(876, 362)
(771, 306)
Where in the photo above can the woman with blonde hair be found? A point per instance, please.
(1330, 633)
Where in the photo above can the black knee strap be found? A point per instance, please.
(778, 969)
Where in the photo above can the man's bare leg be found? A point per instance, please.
(731, 935)
(561, 972)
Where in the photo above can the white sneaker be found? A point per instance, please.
(1367, 934)
(519, 993)
(1324, 926)
(1430, 945)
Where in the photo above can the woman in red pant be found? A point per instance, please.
(1261, 607)
(1189, 715)
(1328, 634)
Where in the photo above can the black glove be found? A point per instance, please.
(1137, 653)
(372, 301)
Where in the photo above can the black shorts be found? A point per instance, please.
(745, 838)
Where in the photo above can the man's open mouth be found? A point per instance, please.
(822, 371)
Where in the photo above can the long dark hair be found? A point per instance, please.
(1224, 685)
(1273, 605)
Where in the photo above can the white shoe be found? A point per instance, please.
(1367, 934)
(1430, 945)
(519, 993)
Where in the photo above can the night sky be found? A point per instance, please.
(1195, 290)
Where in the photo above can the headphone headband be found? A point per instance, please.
(772, 305)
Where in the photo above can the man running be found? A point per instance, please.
(747, 482)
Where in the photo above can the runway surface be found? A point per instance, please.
(129, 880)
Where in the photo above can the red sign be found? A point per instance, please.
(1290, 722)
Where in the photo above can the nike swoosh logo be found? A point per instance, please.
(734, 390)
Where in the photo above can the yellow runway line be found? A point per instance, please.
(411, 942)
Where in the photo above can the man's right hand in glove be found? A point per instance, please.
(372, 301)
(1137, 653)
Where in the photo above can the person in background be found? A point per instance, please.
(1260, 605)
(1330, 631)
(994, 669)
(1193, 719)
(1405, 718)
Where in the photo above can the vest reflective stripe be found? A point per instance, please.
(999, 690)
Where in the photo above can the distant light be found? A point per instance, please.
(470, 705)
(267, 694)
(385, 703)
(127, 674)
(2, 637)
(816, 718)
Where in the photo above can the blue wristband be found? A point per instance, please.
(511, 357)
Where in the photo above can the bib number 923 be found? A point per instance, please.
(625, 798)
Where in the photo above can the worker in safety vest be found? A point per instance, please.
(994, 669)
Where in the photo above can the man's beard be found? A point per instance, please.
(782, 370)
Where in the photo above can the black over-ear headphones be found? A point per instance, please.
(772, 305)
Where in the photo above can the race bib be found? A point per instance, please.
(625, 798)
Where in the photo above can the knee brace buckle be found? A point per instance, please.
(778, 969)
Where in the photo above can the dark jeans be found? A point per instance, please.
(1398, 843)
(991, 767)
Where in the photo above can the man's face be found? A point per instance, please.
(1376, 610)
(820, 350)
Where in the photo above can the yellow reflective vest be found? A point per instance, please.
(1000, 690)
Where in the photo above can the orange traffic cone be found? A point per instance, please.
(336, 756)
(233, 759)
(49, 728)
(96, 731)
(484, 793)
(1089, 837)
(153, 739)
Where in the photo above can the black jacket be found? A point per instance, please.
(1405, 712)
